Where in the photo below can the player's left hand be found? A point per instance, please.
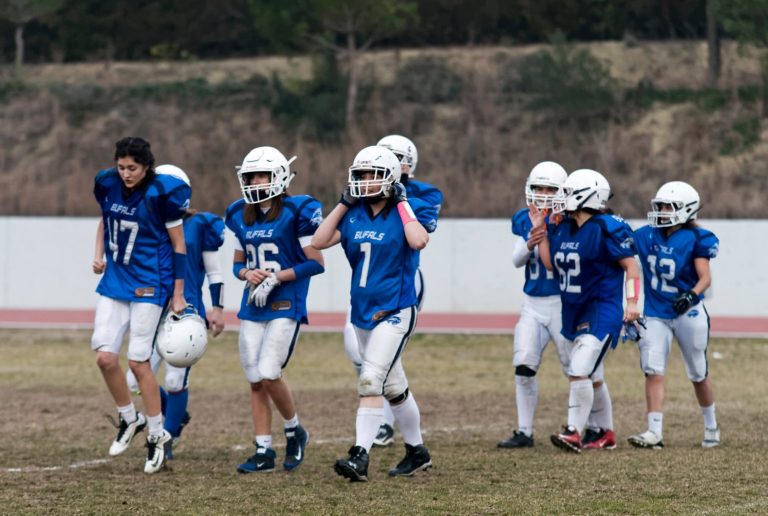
(99, 266)
(631, 312)
(399, 192)
(178, 303)
(632, 331)
(684, 301)
(215, 318)
(260, 294)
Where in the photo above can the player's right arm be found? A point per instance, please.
(328, 234)
(99, 265)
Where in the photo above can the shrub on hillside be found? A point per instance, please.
(567, 82)
(427, 80)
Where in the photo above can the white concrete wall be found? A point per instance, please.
(45, 262)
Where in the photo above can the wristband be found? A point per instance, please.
(406, 212)
(307, 269)
(236, 268)
(179, 265)
(633, 289)
(217, 294)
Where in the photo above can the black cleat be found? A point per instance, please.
(416, 459)
(518, 440)
(355, 467)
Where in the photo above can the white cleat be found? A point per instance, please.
(647, 439)
(711, 438)
(126, 433)
(156, 452)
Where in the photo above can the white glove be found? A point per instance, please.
(260, 294)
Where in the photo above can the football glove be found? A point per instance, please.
(260, 294)
(398, 192)
(684, 301)
(632, 330)
(346, 198)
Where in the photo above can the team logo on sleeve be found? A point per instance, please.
(714, 250)
(627, 243)
(317, 217)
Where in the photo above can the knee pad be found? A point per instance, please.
(399, 398)
(523, 370)
(269, 370)
(175, 379)
(370, 384)
(252, 374)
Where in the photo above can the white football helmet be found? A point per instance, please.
(264, 159)
(385, 166)
(684, 200)
(173, 170)
(551, 175)
(182, 338)
(586, 188)
(404, 150)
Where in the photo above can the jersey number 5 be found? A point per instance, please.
(567, 277)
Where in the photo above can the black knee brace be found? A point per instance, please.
(523, 370)
(399, 398)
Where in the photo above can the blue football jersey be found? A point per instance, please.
(274, 245)
(431, 195)
(591, 280)
(138, 248)
(383, 264)
(539, 282)
(203, 232)
(668, 268)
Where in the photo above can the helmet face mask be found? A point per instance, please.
(683, 200)
(404, 150)
(383, 165)
(182, 338)
(264, 160)
(548, 175)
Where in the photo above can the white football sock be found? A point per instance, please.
(526, 397)
(580, 400)
(710, 421)
(389, 417)
(263, 441)
(409, 420)
(155, 424)
(293, 422)
(601, 415)
(128, 413)
(367, 426)
(656, 422)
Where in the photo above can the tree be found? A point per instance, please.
(348, 28)
(713, 43)
(21, 12)
(747, 21)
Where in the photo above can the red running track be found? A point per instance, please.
(741, 327)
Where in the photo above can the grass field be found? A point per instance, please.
(54, 437)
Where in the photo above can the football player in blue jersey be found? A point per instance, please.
(540, 315)
(381, 232)
(405, 151)
(274, 255)
(204, 235)
(145, 265)
(675, 254)
(590, 251)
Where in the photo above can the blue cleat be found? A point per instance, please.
(263, 461)
(297, 439)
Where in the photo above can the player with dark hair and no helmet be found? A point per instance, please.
(204, 236)
(275, 257)
(381, 232)
(675, 253)
(141, 229)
